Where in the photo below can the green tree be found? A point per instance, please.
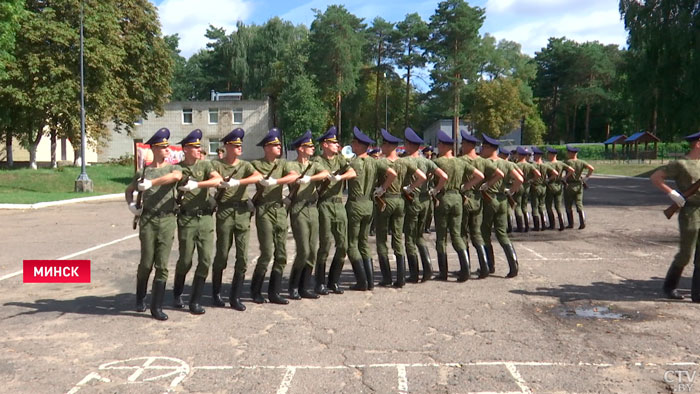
(301, 108)
(383, 50)
(534, 129)
(498, 108)
(10, 13)
(336, 40)
(454, 50)
(180, 86)
(412, 34)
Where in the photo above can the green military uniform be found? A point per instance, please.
(360, 208)
(538, 190)
(472, 212)
(333, 224)
(232, 223)
(496, 216)
(393, 215)
(414, 222)
(573, 193)
(554, 196)
(522, 197)
(448, 214)
(271, 223)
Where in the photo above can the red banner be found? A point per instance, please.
(144, 155)
(56, 271)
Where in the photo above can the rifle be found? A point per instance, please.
(181, 193)
(259, 189)
(488, 198)
(673, 208)
(293, 193)
(139, 197)
(327, 182)
(220, 193)
(381, 203)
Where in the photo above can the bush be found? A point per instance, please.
(124, 160)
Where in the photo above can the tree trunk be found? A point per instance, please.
(338, 114)
(54, 164)
(408, 92)
(455, 115)
(573, 125)
(655, 112)
(33, 145)
(76, 156)
(376, 90)
(8, 149)
(587, 135)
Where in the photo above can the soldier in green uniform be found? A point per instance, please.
(417, 207)
(554, 197)
(685, 171)
(538, 189)
(529, 172)
(504, 154)
(333, 220)
(360, 208)
(195, 225)
(232, 216)
(156, 219)
(392, 215)
(496, 210)
(448, 209)
(472, 212)
(301, 203)
(575, 183)
(271, 218)
(428, 153)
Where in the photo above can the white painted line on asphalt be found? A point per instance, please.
(518, 378)
(539, 256)
(403, 380)
(8, 276)
(286, 380)
(46, 204)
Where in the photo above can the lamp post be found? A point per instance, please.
(83, 183)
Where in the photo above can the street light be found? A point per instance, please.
(83, 183)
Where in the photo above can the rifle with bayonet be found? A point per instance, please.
(139, 197)
(294, 189)
(327, 182)
(260, 189)
(673, 208)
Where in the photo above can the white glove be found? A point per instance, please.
(677, 198)
(334, 178)
(144, 185)
(134, 210)
(268, 182)
(189, 186)
(507, 192)
(432, 192)
(304, 180)
(379, 191)
(229, 183)
(408, 189)
(484, 186)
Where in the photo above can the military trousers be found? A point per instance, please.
(553, 198)
(689, 226)
(232, 224)
(392, 217)
(472, 217)
(495, 219)
(537, 197)
(332, 225)
(359, 219)
(195, 232)
(156, 234)
(448, 220)
(522, 198)
(414, 223)
(304, 218)
(271, 225)
(573, 195)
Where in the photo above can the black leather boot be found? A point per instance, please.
(157, 294)
(236, 287)
(358, 268)
(551, 220)
(442, 266)
(425, 261)
(256, 288)
(464, 270)
(518, 224)
(536, 223)
(483, 261)
(695, 286)
(334, 275)
(673, 276)
(581, 220)
(512, 260)
(369, 271)
(273, 289)
(197, 289)
(294, 280)
(542, 218)
(412, 268)
(178, 288)
(321, 288)
(490, 259)
(561, 222)
(400, 271)
(305, 284)
(216, 288)
(386, 270)
(570, 219)
(526, 223)
(141, 287)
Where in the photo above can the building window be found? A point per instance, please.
(187, 116)
(213, 146)
(237, 115)
(213, 115)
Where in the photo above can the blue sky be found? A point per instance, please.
(529, 22)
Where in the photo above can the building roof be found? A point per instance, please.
(616, 139)
(640, 137)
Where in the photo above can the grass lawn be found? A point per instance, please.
(26, 186)
(629, 169)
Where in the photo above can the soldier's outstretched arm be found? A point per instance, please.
(213, 181)
(476, 177)
(255, 177)
(389, 177)
(172, 177)
(349, 174)
(419, 178)
(289, 178)
(442, 179)
(517, 180)
(319, 176)
(658, 179)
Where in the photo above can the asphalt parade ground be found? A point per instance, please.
(584, 315)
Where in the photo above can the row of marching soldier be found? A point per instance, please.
(469, 194)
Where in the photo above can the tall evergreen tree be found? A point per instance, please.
(412, 34)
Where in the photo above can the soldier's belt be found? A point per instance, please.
(359, 198)
(392, 195)
(452, 191)
(156, 213)
(335, 200)
(270, 203)
(304, 202)
(233, 204)
(196, 212)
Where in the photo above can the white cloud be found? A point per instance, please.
(547, 7)
(191, 18)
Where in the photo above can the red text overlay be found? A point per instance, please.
(56, 271)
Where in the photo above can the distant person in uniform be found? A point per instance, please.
(575, 183)
(555, 189)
